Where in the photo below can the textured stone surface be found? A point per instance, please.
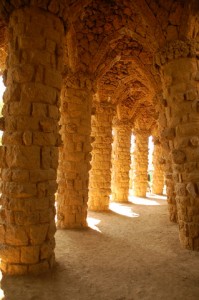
(74, 155)
(100, 173)
(183, 153)
(140, 164)
(121, 160)
(29, 173)
(158, 164)
(115, 52)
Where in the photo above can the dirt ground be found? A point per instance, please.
(130, 253)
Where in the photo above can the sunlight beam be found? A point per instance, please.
(123, 210)
(92, 223)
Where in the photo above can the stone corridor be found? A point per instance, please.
(81, 77)
(118, 257)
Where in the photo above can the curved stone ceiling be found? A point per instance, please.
(114, 41)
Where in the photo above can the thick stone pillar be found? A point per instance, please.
(121, 160)
(158, 173)
(140, 163)
(100, 173)
(74, 156)
(132, 165)
(29, 155)
(170, 190)
(179, 71)
(165, 136)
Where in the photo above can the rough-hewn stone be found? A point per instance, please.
(74, 155)
(100, 173)
(115, 52)
(24, 229)
(140, 163)
(121, 160)
(181, 68)
(158, 172)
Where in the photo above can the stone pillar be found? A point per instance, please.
(158, 173)
(121, 160)
(165, 136)
(140, 163)
(100, 173)
(132, 165)
(74, 156)
(170, 190)
(29, 155)
(179, 71)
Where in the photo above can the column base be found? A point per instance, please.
(31, 269)
(99, 208)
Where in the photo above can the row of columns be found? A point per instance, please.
(29, 155)
(110, 174)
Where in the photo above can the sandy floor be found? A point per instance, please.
(131, 253)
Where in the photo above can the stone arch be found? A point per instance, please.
(112, 43)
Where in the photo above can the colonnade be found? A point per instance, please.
(29, 155)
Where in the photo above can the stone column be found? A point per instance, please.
(132, 165)
(29, 155)
(140, 163)
(165, 136)
(158, 173)
(74, 156)
(121, 160)
(179, 71)
(100, 173)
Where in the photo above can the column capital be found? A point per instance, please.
(79, 80)
(175, 50)
(8, 7)
(128, 124)
(156, 140)
(141, 132)
(104, 105)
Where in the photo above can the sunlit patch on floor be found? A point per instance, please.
(143, 201)
(158, 197)
(123, 209)
(92, 223)
(1, 291)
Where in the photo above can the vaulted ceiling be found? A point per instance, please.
(114, 41)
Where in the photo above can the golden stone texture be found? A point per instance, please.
(128, 60)
(28, 181)
(121, 159)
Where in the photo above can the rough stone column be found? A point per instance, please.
(29, 155)
(158, 173)
(140, 163)
(100, 173)
(121, 160)
(170, 189)
(74, 156)
(180, 76)
(165, 136)
(132, 165)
